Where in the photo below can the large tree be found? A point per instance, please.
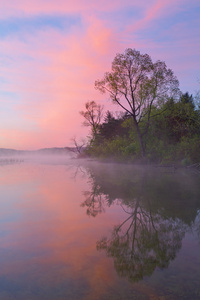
(137, 84)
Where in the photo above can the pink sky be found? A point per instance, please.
(51, 52)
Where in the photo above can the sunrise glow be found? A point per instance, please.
(51, 52)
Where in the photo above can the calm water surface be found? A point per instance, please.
(98, 231)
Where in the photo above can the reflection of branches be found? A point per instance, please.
(154, 227)
(93, 201)
(142, 242)
(77, 170)
(196, 226)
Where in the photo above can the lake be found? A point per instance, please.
(75, 229)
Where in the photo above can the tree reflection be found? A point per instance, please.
(158, 208)
(94, 201)
(197, 224)
(143, 242)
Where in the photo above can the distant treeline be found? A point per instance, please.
(43, 151)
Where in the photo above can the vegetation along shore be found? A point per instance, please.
(157, 124)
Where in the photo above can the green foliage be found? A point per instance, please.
(173, 135)
(118, 148)
(113, 127)
(136, 84)
(189, 148)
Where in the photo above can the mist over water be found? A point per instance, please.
(78, 229)
(40, 156)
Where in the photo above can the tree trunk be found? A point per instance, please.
(139, 137)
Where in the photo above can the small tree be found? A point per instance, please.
(78, 146)
(92, 115)
(137, 84)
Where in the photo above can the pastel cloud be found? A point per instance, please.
(51, 78)
(157, 10)
(149, 15)
(49, 62)
(21, 7)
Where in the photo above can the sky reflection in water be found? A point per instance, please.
(98, 231)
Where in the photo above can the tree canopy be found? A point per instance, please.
(135, 83)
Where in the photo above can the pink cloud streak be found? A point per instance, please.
(35, 7)
(54, 81)
(53, 73)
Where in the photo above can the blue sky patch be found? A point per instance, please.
(13, 26)
(123, 17)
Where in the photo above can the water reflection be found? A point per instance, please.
(48, 245)
(94, 201)
(158, 210)
(145, 243)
